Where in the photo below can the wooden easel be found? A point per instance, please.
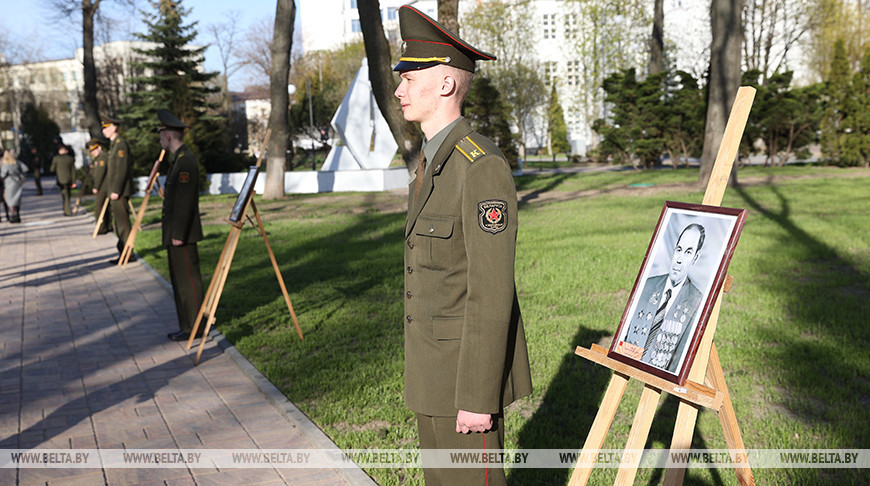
(218, 280)
(100, 218)
(706, 369)
(127, 252)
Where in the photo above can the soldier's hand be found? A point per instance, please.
(467, 422)
(177, 242)
(114, 196)
(94, 191)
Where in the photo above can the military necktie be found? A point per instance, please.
(421, 171)
(657, 325)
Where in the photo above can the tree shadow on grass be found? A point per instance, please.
(565, 413)
(826, 300)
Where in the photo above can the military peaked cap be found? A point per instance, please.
(108, 120)
(96, 142)
(169, 122)
(427, 43)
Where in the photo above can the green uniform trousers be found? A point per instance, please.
(65, 190)
(186, 284)
(121, 215)
(440, 433)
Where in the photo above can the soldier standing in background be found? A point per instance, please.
(182, 227)
(63, 165)
(97, 148)
(119, 178)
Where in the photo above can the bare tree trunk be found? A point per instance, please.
(448, 15)
(383, 84)
(727, 31)
(282, 43)
(89, 96)
(657, 40)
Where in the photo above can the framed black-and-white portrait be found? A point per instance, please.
(676, 288)
(244, 194)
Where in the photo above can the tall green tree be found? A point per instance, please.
(783, 118)
(635, 130)
(557, 130)
(488, 114)
(39, 130)
(173, 80)
(683, 127)
(837, 103)
(856, 144)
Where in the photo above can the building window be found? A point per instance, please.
(353, 4)
(355, 26)
(549, 72)
(392, 13)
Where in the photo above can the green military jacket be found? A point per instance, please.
(100, 181)
(64, 167)
(119, 173)
(181, 199)
(465, 346)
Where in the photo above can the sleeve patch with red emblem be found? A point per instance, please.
(492, 215)
(184, 177)
(120, 153)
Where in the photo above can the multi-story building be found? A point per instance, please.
(57, 87)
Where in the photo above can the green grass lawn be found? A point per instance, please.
(793, 333)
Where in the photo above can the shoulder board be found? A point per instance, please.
(469, 149)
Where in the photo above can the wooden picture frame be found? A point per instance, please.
(676, 288)
(244, 194)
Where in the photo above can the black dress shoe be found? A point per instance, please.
(179, 336)
(113, 262)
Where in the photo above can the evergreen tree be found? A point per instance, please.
(683, 128)
(173, 81)
(856, 143)
(557, 131)
(40, 131)
(833, 124)
(636, 129)
(488, 114)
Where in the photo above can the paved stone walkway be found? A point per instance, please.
(85, 364)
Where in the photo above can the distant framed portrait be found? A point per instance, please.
(672, 299)
(244, 195)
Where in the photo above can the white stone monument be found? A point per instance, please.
(366, 141)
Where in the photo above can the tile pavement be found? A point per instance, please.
(85, 364)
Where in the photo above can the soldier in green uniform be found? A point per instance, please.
(181, 224)
(465, 348)
(97, 148)
(63, 165)
(119, 179)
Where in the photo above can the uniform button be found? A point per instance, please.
(410, 294)
(410, 269)
(408, 318)
(411, 245)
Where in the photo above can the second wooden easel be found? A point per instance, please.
(706, 369)
(127, 252)
(218, 280)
